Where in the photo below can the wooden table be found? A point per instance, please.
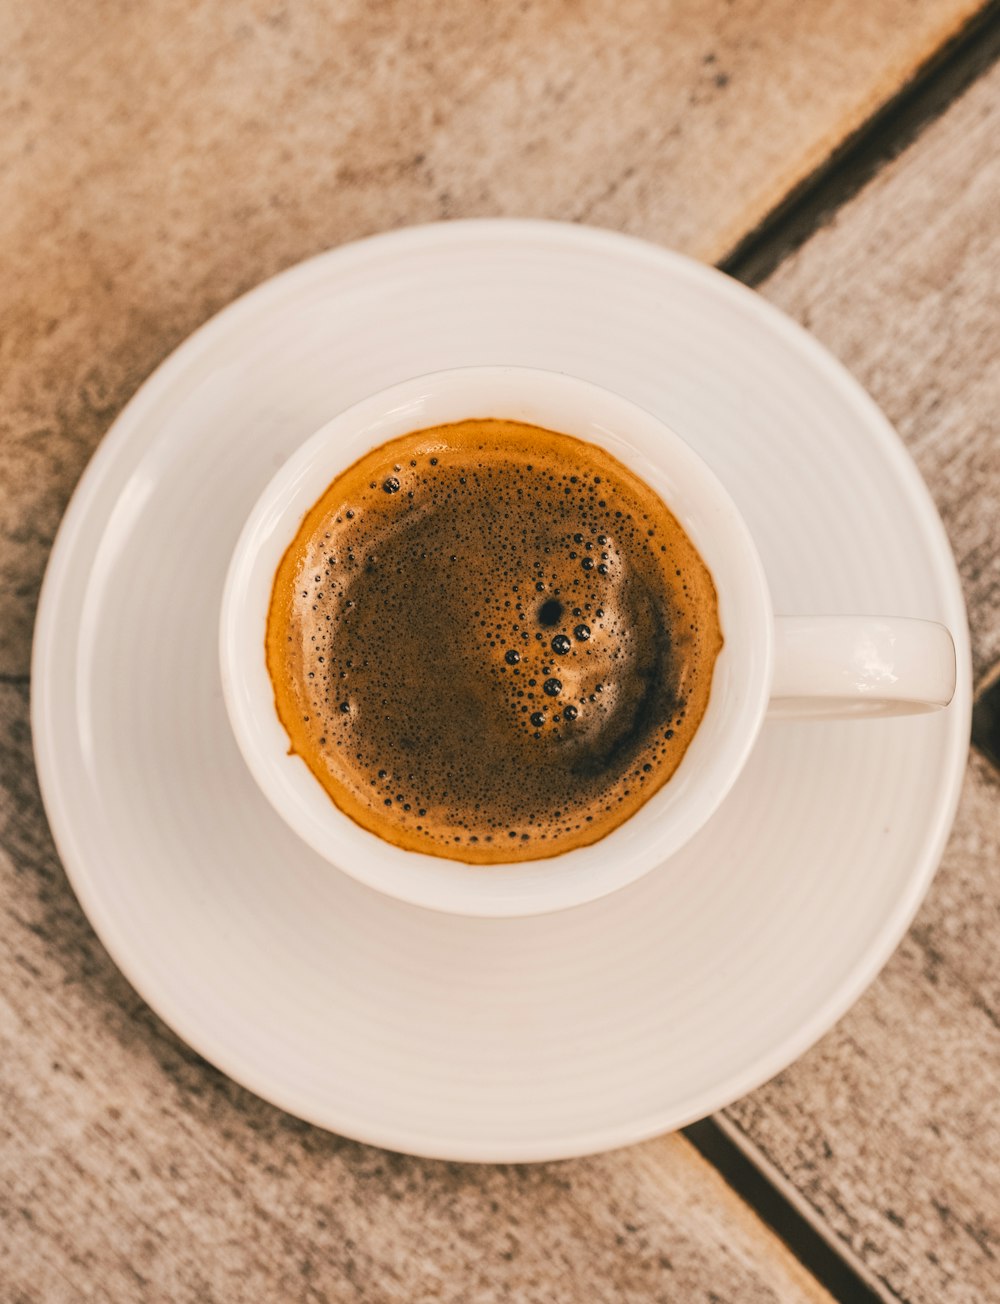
(158, 159)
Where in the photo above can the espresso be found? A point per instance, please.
(491, 642)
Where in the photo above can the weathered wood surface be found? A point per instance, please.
(890, 1128)
(132, 1171)
(156, 160)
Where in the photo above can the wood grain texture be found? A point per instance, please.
(157, 160)
(890, 1127)
(131, 1170)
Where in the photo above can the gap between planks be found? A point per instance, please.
(891, 129)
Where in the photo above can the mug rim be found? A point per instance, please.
(741, 677)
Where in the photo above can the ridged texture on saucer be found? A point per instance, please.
(495, 1039)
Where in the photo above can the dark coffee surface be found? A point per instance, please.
(491, 642)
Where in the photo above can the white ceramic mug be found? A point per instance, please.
(797, 665)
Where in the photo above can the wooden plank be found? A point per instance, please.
(130, 1169)
(890, 1128)
(156, 160)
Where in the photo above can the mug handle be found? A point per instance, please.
(829, 666)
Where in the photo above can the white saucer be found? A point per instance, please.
(440, 1035)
